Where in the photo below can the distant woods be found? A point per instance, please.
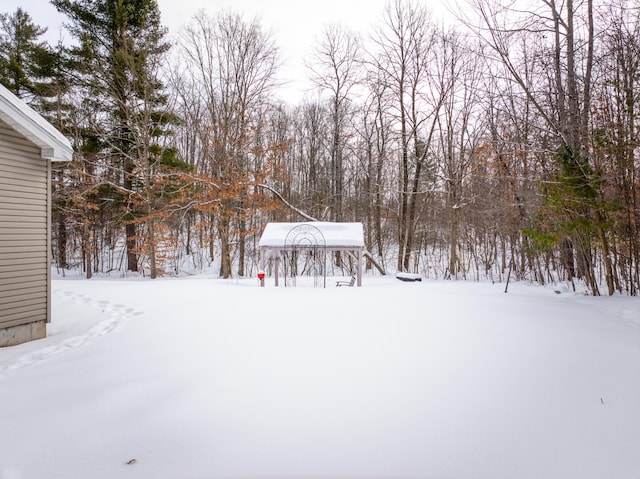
(507, 141)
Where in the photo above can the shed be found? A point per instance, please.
(280, 238)
(28, 145)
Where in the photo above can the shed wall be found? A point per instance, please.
(24, 234)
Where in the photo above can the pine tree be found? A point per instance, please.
(26, 64)
(120, 47)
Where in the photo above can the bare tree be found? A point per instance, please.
(335, 69)
(405, 46)
(234, 62)
(567, 29)
(460, 127)
(614, 137)
(374, 133)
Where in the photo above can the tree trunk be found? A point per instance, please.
(568, 259)
(86, 252)
(151, 234)
(132, 256)
(242, 243)
(453, 245)
(225, 246)
(606, 254)
(62, 242)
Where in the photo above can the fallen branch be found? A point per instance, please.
(287, 204)
(370, 257)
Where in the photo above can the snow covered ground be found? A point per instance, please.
(203, 379)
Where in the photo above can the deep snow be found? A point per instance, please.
(203, 378)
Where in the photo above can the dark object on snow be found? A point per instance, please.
(408, 277)
(347, 283)
(131, 462)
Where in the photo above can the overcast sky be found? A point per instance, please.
(296, 24)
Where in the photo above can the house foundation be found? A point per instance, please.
(22, 333)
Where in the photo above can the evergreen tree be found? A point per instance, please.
(26, 64)
(120, 47)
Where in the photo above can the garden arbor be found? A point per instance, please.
(285, 242)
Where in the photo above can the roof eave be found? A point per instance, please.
(53, 145)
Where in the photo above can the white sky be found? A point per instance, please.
(296, 24)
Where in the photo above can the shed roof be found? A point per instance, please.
(22, 118)
(335, 235)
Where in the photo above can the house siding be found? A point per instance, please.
(24, 239)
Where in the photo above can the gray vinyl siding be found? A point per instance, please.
(24, 225)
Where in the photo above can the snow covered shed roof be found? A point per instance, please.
(334, 235)
(18, 115)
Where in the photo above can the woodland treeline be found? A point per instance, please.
(507, 141)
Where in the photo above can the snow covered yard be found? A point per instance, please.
(204, 379)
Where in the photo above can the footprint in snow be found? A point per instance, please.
(117, 314)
